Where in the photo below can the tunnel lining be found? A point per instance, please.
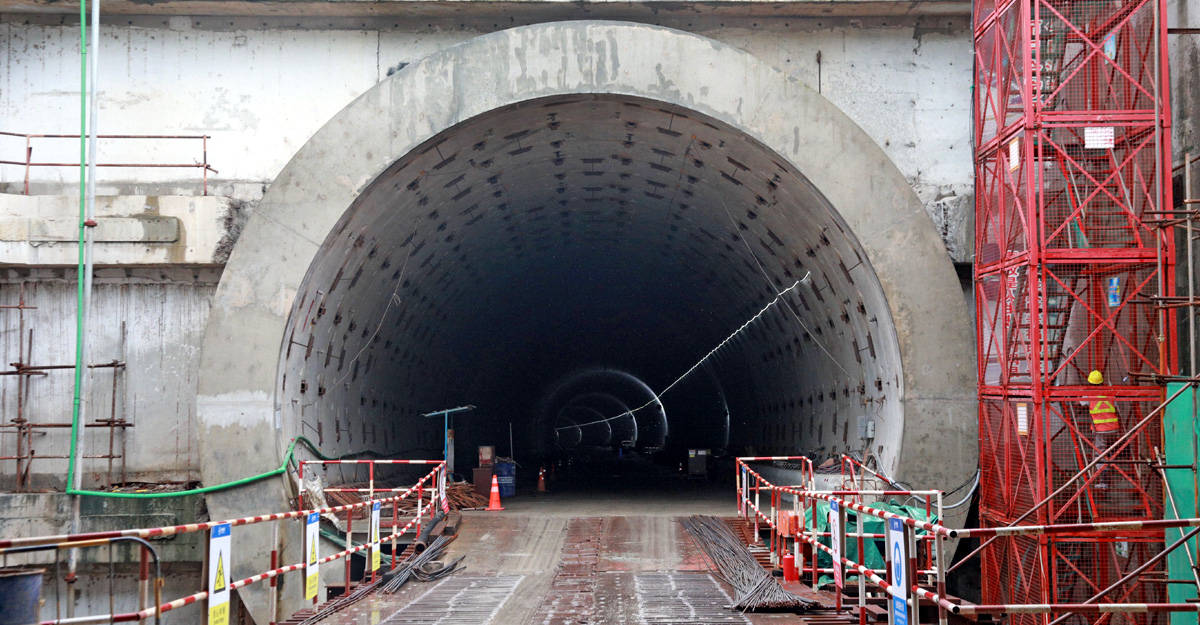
(518, 191)
(239, 412)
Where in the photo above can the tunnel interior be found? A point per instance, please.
(561, 264)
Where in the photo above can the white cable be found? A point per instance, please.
(394, 299)
(767, 276)
(778, 296)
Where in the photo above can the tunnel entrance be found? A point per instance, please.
(521, 220)
(557, 263)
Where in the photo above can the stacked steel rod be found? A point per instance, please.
(756, 588)
(416, 566)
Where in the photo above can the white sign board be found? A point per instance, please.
(837, 537)
(442, 492)
(1099, 137)
(219, 570)
(312, 537)
(897, 545)
(1014, 154)
(376, 548)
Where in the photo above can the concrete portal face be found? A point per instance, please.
(587, 201)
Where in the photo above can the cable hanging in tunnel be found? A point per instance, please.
(767, 277)
(778, 296)
(394, 299)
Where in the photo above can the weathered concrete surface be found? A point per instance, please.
(1184, 51)
(905, 80)
(151, 319)
(43, 230)
(48, 514)
(238, 405)
(543, 9)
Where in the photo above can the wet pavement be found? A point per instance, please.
(576, 556)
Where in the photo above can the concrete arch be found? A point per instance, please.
(240, 413)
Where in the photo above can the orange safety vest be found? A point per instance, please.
(1104, 416)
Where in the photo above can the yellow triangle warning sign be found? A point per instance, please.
(219, 584)
(312, 558)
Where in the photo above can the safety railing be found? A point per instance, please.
(855, 474)
(148, 586)
(215, 591)
(29, 163)
(914, 550)
(749, 481)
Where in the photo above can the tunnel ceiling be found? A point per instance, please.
(566, 235)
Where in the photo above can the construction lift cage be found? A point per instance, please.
(1074, 264)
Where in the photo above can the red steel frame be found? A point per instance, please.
(1072, 136)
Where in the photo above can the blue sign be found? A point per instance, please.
(1114, 292)
(898, 549)
(219, 531)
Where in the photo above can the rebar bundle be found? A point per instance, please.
(416, 566)
(756, 589)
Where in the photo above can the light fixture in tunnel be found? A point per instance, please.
(588, 391)
(606, 405)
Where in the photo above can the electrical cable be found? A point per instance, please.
(771, 303)
(970, 494)
(767, 277)
(288, 457)
(394, 299)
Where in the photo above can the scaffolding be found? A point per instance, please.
(1074, 273)
(23, 430)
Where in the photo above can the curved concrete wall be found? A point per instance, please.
(930, 442)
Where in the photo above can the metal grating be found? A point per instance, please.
(685, 598)
(465, 599)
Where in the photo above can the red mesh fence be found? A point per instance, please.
(1070, 261)
(1094, 55)
(1010, 481)
(1098, 182)
(1014, 571)
(1001, 187)
(999, 75)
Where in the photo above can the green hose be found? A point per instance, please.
(287, 458)
(80, 312)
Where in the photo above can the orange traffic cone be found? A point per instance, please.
(542, 480)
(494, 503)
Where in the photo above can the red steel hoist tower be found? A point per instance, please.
(1072, 166)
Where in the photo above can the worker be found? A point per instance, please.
(1104, 415)
(1105, 423)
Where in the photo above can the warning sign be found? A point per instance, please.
(897, 544)
(219, 569)
(837, 533)
(376, 556)
(312, 535)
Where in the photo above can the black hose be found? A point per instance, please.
(423, 540)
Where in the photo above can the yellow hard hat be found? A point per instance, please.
(1095, 377)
